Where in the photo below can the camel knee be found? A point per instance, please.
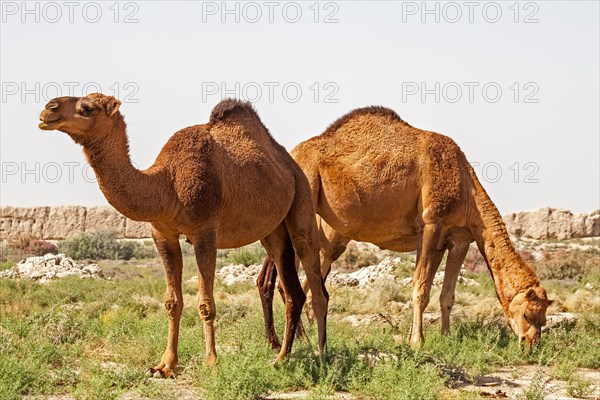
(173, 307)
(446, 302)
(207, 310)
(302, 246)
(421, 299)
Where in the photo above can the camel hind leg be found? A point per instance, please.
(456, 257)
(279, 245)
(332, 245)
(266, 289)
(302, 228)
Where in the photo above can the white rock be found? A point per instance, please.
(51, 266)
(231, 274)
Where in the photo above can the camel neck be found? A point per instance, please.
(509, 271)
(129, 190)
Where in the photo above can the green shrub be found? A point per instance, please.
(567, 264)
(104, 245)
(247, 255)
(402, 380)
(579, 387)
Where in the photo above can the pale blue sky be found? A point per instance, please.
(178, 54)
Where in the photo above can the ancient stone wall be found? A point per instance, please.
(63, 222)
(56, 223)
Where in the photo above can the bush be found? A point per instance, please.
(567, 264)
(26, 245)
(104, 245)
(247, 255)
(353, 259)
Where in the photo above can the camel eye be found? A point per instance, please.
(86, 110)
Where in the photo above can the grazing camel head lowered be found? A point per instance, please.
(527, 315)
(377, 179)
(213, 183)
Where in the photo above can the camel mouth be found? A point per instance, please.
(49, 125)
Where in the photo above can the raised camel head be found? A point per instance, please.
(527, 315)
(80, 117)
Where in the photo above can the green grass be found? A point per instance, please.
(94, 339)
(247, 255)
(7, 264)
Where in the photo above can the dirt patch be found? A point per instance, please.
(517, 382)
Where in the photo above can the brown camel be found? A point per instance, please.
(377, 179)
(213, 183)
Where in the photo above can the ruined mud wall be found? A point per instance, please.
(553, 223)
(65, 221)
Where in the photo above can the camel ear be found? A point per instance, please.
(530, 294)
(112, 106)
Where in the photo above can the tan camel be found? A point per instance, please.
(213, 183)
(377, 179)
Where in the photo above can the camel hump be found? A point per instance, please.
(230, 107)
(371, 110)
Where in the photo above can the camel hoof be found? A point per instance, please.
(160, 373)
(211, 359)
(277, 361)
(416, 343)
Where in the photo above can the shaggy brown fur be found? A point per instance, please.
(372, 110)
(377, 179)
(223, 184)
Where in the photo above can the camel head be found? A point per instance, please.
(527, 315)
(81, 117)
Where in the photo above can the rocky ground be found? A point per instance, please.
(506, 383)
(51, 266)
(510, 382)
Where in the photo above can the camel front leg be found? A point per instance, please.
(170, 252)
(428, 260)
(205, 248)
(456, 257)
